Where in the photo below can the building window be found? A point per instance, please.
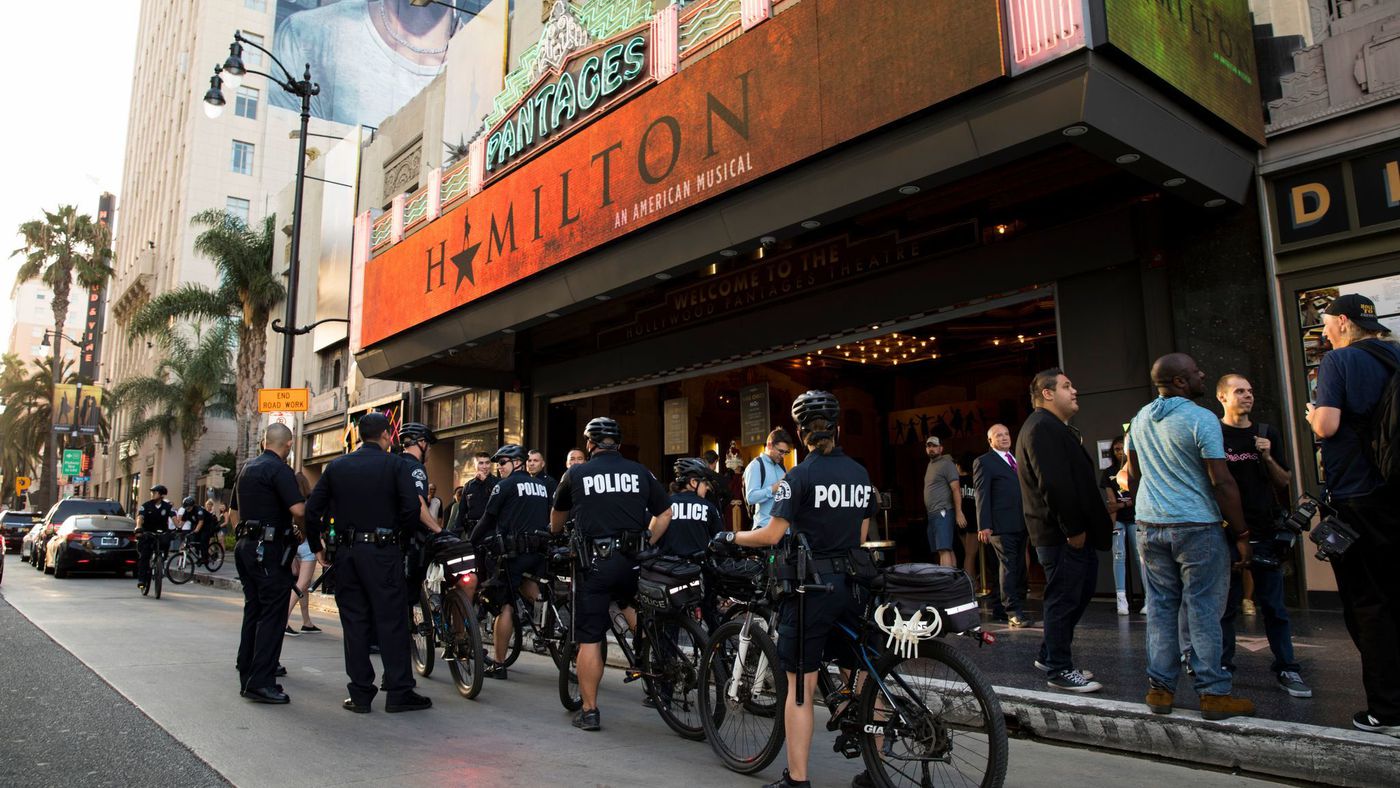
(252, 57)
(256, 5)
(243, 157)
(237, 206)
(246, 105)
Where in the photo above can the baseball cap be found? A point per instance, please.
(1358, 309)
(160, 488)
(933, 441)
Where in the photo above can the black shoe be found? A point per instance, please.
(411, 701)
(788, 782)
(267, 695)
(588, 720)
(310, 628)
(349, 704)
(281, 671)
(374, 649)
(291, 633)
(862, 780)
(494, 670)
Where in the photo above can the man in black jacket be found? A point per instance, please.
(1067, 519)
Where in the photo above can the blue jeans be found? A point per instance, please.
(1070, 577)
(1268, 598)
(941, 530)
(1188, 566)
(1125, 542)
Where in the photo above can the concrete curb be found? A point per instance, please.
(1289, 750)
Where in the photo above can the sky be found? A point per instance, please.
(68, 96)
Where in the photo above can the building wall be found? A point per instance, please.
(34, 315)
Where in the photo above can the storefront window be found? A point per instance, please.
(463, 448)
(513, 424)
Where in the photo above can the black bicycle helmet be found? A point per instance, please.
(692, 468)
(813, 405)
(188, 502)
(510, 451)
(603, 430)
(413, 432)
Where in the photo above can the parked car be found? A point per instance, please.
(15, 524)
(93, 543)
(27, 550)
(2, 561)
(62, 511)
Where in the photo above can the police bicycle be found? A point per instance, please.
(917, 709)
(548, 618)
(446, 616)
(664, 652)
(179, 568)
(160, 552)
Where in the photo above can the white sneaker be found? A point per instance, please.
(1088, 674)
(1122, 603)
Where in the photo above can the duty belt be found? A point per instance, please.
(629, 544)
(267, 532)
(379, 536)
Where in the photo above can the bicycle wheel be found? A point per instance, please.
(157, 571)
(180, 568)
(463, 652)
(569, 694)
(668, 654)
(946, 726)
(743, 718)
(214, 555)
(421, 633)
(557, 621)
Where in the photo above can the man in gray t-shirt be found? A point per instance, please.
(943, 500)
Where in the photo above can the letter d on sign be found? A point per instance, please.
(1302, 217)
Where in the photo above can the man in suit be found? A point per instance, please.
(1067, 520)
(1002, 524)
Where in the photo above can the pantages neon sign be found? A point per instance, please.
(587, 84)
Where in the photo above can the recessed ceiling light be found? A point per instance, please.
(909, 189)
(469, 344)
(602, 298)
(728, 253)
(811, 224)
(874, 326)
(507, 331)
(1215, 202)
(663, 276)
(1075, 131)
(1172, 183)
(1127, 158)
(551, 315)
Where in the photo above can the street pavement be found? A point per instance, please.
(170, 662)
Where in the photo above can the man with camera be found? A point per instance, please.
(1256, 458)
(1351, 381)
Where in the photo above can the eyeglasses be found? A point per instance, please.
(781, 452)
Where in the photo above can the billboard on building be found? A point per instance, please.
(77, 409)
(1203, 48)
(369, 58)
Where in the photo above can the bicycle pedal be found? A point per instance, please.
(631, 676)
(846, 745)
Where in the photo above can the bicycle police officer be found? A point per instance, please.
(519, 506)
(614, 498)
(414, 440)
(373, 498)
(204, 524)
(828, 500)
(265, 500)
(153, 522)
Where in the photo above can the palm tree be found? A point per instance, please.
(190, 384)
(63, 247)
(26, 425)
(248, 291)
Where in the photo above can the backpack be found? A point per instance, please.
(1382, 446)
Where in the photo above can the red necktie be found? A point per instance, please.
(1012, 460)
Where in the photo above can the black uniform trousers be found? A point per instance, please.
(266, 590)
(373, 598)
(1369, 585)
(145, 545)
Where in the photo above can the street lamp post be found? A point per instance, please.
(53, 460)
(232, 72)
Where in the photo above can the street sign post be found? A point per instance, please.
(294, 400)
(22, 483)
(72, 462)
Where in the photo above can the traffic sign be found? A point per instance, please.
(296, 400)
(72, 462)
(283, 417)
(22, 483)
(80, 479)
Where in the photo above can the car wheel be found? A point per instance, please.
(58, 571)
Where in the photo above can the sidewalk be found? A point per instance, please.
(1308, 740)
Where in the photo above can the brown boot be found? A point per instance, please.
(1219, 707)
(1159, 701)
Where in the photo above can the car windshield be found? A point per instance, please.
(104, 524)
(19, 518)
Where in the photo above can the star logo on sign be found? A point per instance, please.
(463, 259)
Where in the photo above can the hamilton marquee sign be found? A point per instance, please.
(800, 83)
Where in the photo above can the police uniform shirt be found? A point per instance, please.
(550, 483)
(826, 497)
(519, 503)
(610, 495)
(475, 493)
(198, 516)
(155, 515)
(419, 476)
(267, 490)
(365, 490)
(693, 521)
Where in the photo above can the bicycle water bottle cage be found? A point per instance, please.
(905, 633)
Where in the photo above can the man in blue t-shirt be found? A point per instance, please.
(1181, 482)
(1350, 382)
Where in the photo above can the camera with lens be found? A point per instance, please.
(1270, 551)
(1332, 536)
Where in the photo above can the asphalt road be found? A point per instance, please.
(170, 663)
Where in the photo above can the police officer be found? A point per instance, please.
(695, 519)
(828, 500)
(414, 440)
(616, 499)
(204, 524)
(374, 499)
(475, 493)
(518, 506)
(153, 521)
(265, 500)
(534, 465)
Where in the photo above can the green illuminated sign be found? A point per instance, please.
(72, 462)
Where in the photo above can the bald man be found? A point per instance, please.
(1182, 486)
(1002, 524)
(265, 500)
